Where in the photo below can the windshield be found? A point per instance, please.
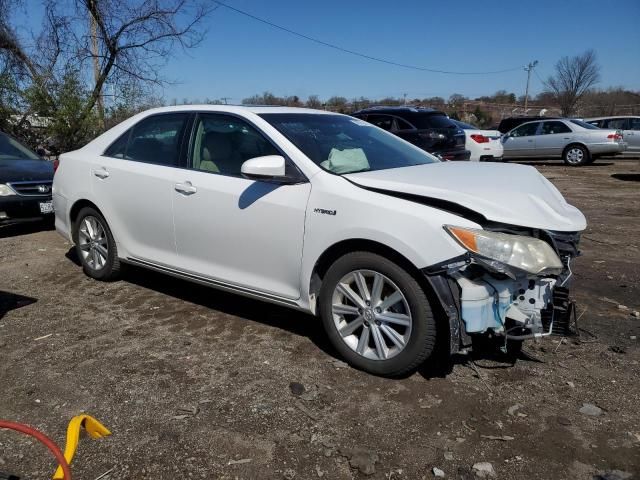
(342, 144)
(584, 124)
(11, 149)
(464, 126)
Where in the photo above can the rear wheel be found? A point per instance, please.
(376, 314)
(576, 156)
(95, 245)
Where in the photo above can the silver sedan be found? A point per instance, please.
(576, 142)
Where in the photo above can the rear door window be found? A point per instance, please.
(384, 122)
(403, 125)
(156, 139)
(526, 130)
(634, 124)
(118, 149)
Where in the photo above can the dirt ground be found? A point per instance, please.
(194, 383)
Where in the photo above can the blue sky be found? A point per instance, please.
(240, 56)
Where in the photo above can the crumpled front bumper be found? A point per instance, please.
(486, 302)
(521, 306)
(518, 308)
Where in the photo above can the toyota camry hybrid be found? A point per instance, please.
(395, 250)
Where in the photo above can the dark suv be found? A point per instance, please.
(25, 183)
(429, 129)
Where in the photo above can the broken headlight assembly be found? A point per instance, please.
(498, 250)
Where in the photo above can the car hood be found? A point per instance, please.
(506, 193)
(25, 170)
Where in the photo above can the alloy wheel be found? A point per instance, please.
(92, 240)
(575, 155)
(371, 314)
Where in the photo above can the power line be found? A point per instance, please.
(539, 78)
(363, 55)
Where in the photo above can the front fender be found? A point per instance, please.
(343, 211)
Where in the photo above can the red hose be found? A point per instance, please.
(19, 427)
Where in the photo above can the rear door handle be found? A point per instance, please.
(185, 188)
(101, 173)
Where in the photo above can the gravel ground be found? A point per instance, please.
(195, 383)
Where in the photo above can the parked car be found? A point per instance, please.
(429, 129)
(327, 214)
(483, 145)
(628, 125)
(576, 142)
(25, 183)
(509, 123)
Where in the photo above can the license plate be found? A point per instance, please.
(46, 207)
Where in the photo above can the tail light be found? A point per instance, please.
(480, 138)
(56, 164)
(615, 136)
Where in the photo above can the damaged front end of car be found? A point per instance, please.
(512, 283)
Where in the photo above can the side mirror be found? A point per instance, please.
(269, 167)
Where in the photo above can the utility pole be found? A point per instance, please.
(96, 67)
(405, 98)
(224, 99)
(528, 69)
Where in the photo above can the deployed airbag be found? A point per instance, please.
(345, 161)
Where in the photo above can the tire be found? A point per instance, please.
(383, 338)
(576, 156)
(95, 245)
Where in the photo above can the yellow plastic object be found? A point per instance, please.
(93, 427)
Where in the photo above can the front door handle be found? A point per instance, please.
(101, 173)
(185, 188)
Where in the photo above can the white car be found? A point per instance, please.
(484, 145)
(327, 214)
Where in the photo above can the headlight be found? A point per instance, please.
(6, 190)
(525, 253)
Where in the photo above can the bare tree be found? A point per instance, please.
(456, 100)
(121, 44)
(573, 78)
(314, 102)
(136, 37)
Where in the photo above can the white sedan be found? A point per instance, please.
(328, 214)
(484, 145)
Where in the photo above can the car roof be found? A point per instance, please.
(398, 109)
(529, 118)
(257, 109)
(611, 117)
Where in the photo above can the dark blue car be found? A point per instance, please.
(25, 183)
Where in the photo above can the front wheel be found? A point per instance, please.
(576, 156)
(95, 245)
(376, 314)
